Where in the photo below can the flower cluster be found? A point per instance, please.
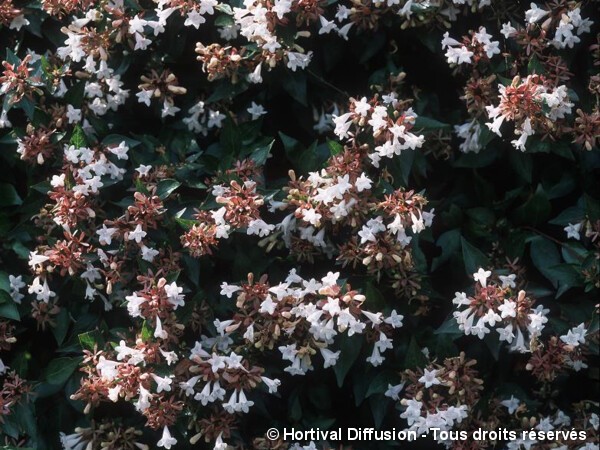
(241, 203)
(532, 106)
(307, 315)
(388, 122)
(497, 305)
(439, 396)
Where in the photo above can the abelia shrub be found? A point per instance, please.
(220, 218)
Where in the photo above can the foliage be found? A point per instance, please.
(219, 218)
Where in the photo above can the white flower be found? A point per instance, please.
(73, 114)
(394, 319)
(572, 231)
(167, 441)
(144, 97)
(228, 289)
(508, 309)
(482, 276)
(508, 281)
(535, 13)
(105, 234)
(137, 235)
(375, 318)
(143, 402)
(194, 18)
(272, 385)
(393, 391)
(296, 60)
(169, 109)
(162, 383)
(174, 295)
(330, 358)
(58, 180)
(575, 336)
(342, 125)
(259, 227)
(311, 216)
(148, 254)
(108, 369)
(36, 260)
(470, 132)
(447, 41)
(170, 357)
(506, 334)
(511, 404)
(143, 170)
(508, 30)
(326, 25)
(376, 359)
(113, 393)
(136, 25)
(18, 22)
(459, 55)
(255, 77)
(363, 183)
(491, 317)
(159, 332)
(188, 386)
(219, 444)
(207, 6)
(429, 378)
(120, 151)
(256, 110)
(267, 306)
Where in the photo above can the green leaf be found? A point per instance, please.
(523, 165)
(335, 147)
(427, 124)
(544, 255)
(4, 283)
(567, 276)
(536, 210)
(349, 350)
(230, 142)
(592, 207)
(450, 326)
(261, 154)
(305, 159)
(375, 300)
(9, 196)
(116, 139)
(166, 188)
(78, 139)
(380, 383)
(535, 67)
(414, 356)
(8, 308)
(147, 332)
(62, 326)
(379, 408)
(91, 339)
(473, 258)
(294, 83)
(60, 369)
(573, 215)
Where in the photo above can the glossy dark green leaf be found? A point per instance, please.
(60, 369)
(9, 196)
(350, 349)
(473, 258)
(166, 187)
